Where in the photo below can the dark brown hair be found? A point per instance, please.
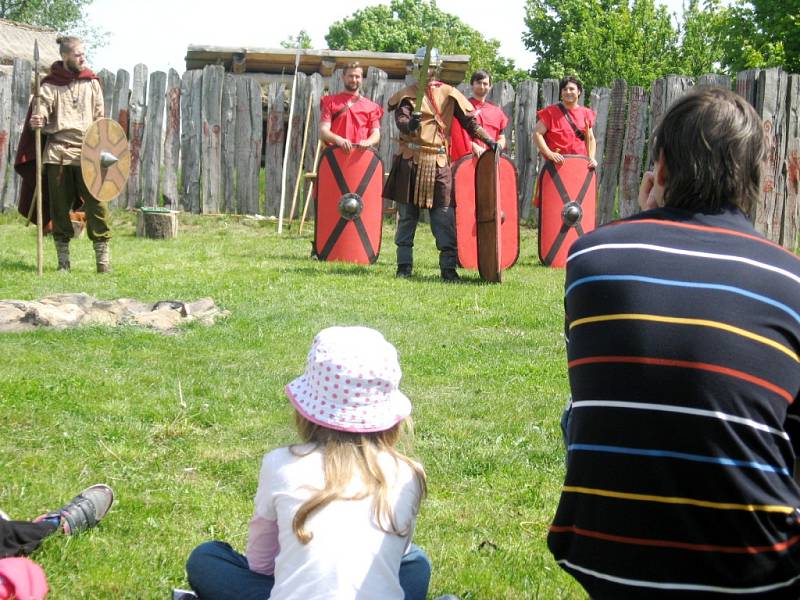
(711, 142)
(67, 42)
(567, 80)
(479, 75)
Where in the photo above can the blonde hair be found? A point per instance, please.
(345, 453)
(67, 43)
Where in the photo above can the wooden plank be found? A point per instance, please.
(211, 138)
(119, 102)
(550, 92)
(791, 213)
(152, 139)
(107, 79)
(657, 97)
(633, 151)
(20, 99)
(390, 135)
(599, 101)
(675, 87)
(614, 141)
(230, 202)
(525, 150)
(6, 157)
(715, 79)
(294, 164)
(191, 101)
(747, 85)
(503, 95)
(249, 136)
(172, 140)
(771, 107)
(374, 84)
(335, 83)
(137, 111)
(273, 160)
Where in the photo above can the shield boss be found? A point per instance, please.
(105, 159)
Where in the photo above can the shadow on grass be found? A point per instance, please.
(16, 265)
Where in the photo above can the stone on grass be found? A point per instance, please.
(60, 311)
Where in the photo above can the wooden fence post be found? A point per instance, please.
(600, 100)
(151, 140)
(771, 107)
(191, 101)
(107, 79)
(172, 140)
(273, 159)
(525, 150)
(230, 201)
(137, 111)
(119, 101)
(632, 151)
(6, 154)
(614, 141)
(715, 79)
(747, 85)
(249, 137)
(315, 87)
(211, 137)
(20, 99)
(503, 95)
(791, 213)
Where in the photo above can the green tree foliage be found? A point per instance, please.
(701, 48)
(763, 33)
(303, 40)
(601, 40)
(61, 15)
(405, 25)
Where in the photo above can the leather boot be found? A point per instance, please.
(62, 252)
(102, 254)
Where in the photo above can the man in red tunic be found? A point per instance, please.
(349, 119)
(566, 127)
(489, 116)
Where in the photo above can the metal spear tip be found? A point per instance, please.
(107, 159)
(36, 50)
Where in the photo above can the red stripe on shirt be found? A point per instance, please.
(686, 364)
(622, 539)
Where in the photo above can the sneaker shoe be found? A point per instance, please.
(403, 271)
(183, 594)
(4, 516)
(450, 276)
(86, 509)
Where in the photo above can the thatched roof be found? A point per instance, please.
(16, 41)
(281, 60)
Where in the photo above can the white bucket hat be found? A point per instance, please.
(351, 382)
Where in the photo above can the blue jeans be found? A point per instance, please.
(443, 227)
(217, 572)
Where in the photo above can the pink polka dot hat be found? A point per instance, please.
(351, 382)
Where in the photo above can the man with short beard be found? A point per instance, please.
(71, 99)
(349, 119)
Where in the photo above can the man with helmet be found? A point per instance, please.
(420, 176)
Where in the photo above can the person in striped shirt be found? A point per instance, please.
(683, 335)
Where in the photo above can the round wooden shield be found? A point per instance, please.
(104, 141)
(466, 223)
(566, 197)
(349, 206)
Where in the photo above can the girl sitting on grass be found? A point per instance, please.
(335, 514)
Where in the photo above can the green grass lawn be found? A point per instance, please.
(177, 424)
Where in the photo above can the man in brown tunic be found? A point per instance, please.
(71, 100)
(420, 176)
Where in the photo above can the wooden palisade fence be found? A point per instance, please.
(197, 139)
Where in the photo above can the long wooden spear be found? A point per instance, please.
(288, 137)
(38, 137)
(313, 177)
